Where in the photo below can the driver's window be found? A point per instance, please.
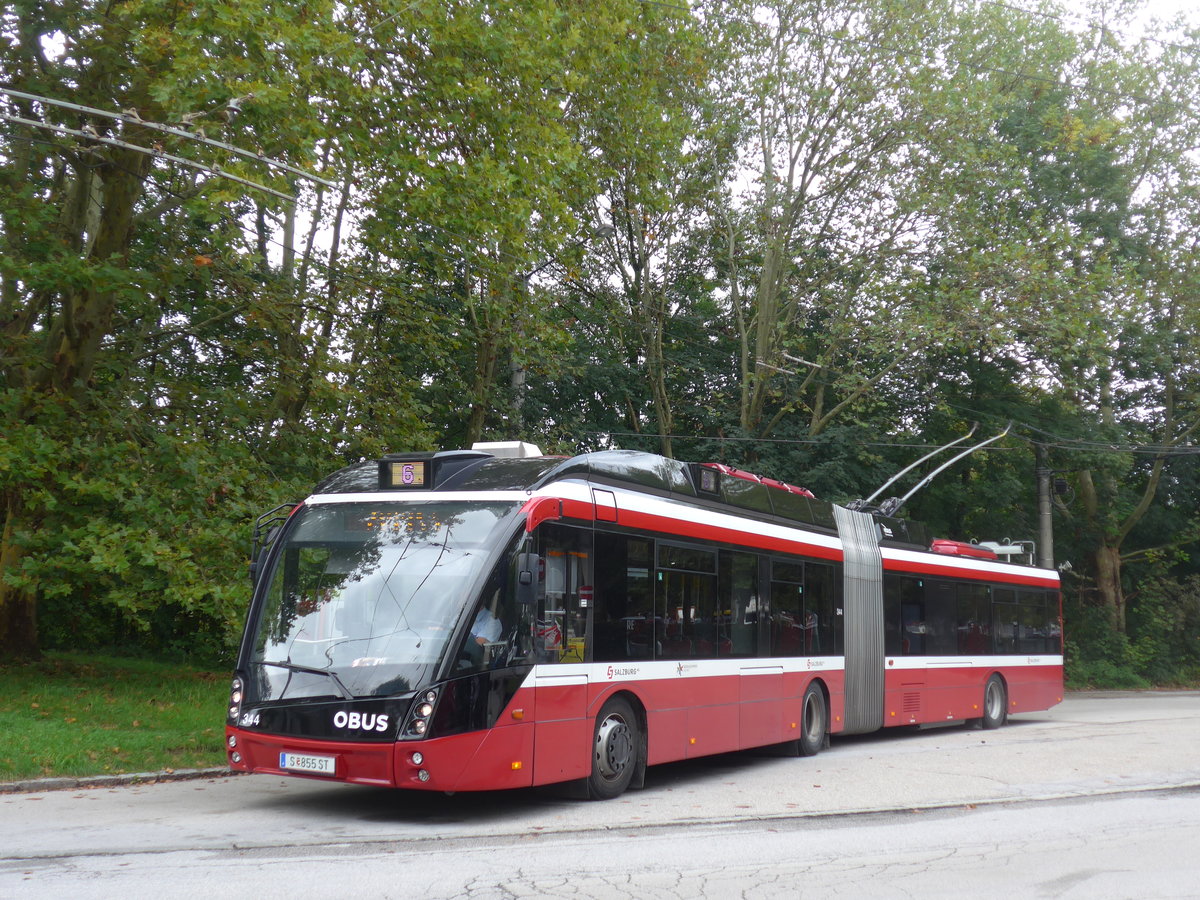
(492, 628)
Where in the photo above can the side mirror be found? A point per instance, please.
(528, 567)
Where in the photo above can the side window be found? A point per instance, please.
(687, 622)
(914, 627)
(623, 614)
(941, 612)
(1006, 619)
(1035, 628)
(1053, 624)
(565, 594)
(823, 609)
(789, 634)
(974, 624)
(893, 590)
(739, 601)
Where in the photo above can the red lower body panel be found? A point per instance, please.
(953, 692)
(545, 733)
(501, 757)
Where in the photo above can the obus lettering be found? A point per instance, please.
(360, 721)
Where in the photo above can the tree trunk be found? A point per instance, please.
(483, 383)
(1108, 585)
(18, 604)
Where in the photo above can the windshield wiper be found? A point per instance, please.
(311, 670)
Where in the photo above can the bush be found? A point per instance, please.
(1162, 646)
(1164, 626)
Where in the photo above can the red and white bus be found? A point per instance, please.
(467, 621)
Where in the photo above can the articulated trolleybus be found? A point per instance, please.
(471, 620)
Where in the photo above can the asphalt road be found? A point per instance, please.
(1099, 797)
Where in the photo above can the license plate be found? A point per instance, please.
(305, 762)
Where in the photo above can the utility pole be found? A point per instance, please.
(1045, 516)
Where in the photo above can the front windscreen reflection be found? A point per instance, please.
(364, 597)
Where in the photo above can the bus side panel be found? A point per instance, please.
(930, 693)
(1032, 688)
(563, 751)
(697, 716)
(795, 683)
(903, 696)
(443, 758)
(484, 759)
(667, 740)
(712, 729)
(503, 759)
(563, 734)
(836, 683)
(685, 717)
(953, 693)
(943, 693)
(762, 706)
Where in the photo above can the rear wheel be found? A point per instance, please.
(814, 719)
(995, 703)
(615, 750)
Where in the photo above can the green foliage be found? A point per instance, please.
(811, 239)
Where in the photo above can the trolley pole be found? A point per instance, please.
(1045, 517)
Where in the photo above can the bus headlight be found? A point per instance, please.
(418, 718)
(236, 695)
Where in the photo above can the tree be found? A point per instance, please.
(856, 112)
(81, 189)
(659, 150)
(1111, 187)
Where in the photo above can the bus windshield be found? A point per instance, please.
(364, 597)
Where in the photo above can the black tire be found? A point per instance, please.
(995, 703)
(814, 721)
(616, 750)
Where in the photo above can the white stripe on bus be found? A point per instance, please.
(552, 674)
(687, 515)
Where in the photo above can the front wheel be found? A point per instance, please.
(995, 703)
(814, 720)
(615, 750)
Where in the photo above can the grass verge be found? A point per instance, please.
(76, 715)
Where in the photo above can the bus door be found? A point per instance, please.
(563, 733)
